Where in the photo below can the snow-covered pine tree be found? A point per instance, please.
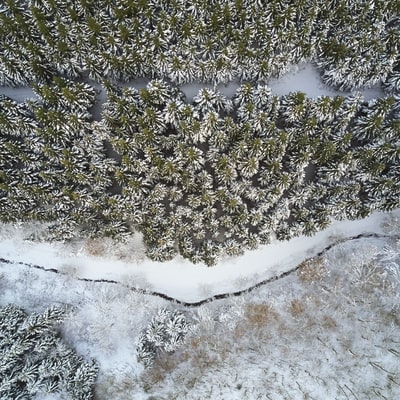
(368, 125)
(66, 95)
(166, 332)
(208, 100)
(295, 107)
(359, 46)
(36, 361)
(392, 82)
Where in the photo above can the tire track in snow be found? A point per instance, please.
(211, 298)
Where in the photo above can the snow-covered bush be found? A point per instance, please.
(165, 332)
(34, 360)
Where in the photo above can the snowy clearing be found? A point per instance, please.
(178, 278)
(304, 78)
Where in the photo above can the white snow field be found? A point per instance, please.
(305, 78)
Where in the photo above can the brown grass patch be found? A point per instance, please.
(312, 270)
(204, 352)
(259, 315)
(95, 247)
(113, 386)
(163, 365)
(328, 322)
(199, 352)
(296, 307)
(203, 358)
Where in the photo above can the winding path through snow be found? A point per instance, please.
(215, 297)
(181, 281)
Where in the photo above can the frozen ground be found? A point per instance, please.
(305, 78)
(18, 94)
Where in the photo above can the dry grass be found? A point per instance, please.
(163, 366)
(312, 270)
(296, 307)
(328, 323)
(204, 359)
(257, 324)
(259, 315)
(116, 385)
(131, 250)
(200, 354)
(96, 247)
(208, 351)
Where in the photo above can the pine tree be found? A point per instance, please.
(208, 100)
(35, 360)
(166, 332)
(392, 83)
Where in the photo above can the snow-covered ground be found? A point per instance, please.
(178, 278)
(328, 331)
(19, 94)
(305, 78)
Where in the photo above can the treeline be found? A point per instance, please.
(355, 43)
(205, 179)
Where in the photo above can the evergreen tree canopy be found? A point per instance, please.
(201, 179)
(355, 43)
(34, 360)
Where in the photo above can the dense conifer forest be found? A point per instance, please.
(210, 177)
(354, 42)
